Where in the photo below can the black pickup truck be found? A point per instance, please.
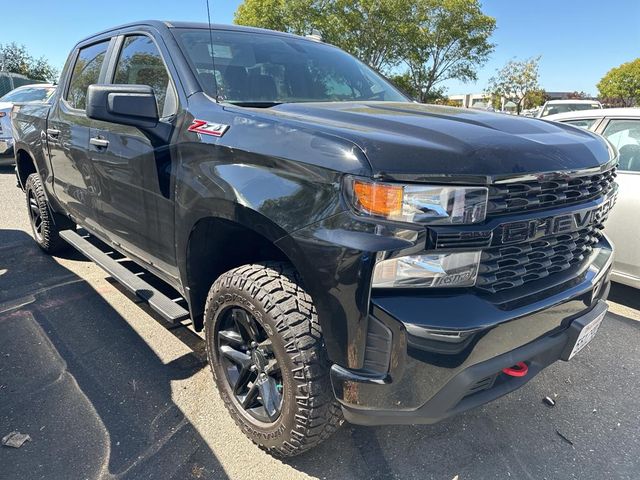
(348, 252)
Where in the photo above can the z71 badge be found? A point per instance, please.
(207, 128)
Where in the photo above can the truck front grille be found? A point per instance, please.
(538, 195)
(505, 267)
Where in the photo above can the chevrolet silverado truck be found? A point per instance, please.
(348, 253)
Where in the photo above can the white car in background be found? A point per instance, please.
(39, 92)
(554, 107)
(621, 126)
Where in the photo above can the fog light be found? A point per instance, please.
(428, 271)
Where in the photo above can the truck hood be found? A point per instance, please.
(410, 140)
(6, 106)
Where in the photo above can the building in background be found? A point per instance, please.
(471, 100)
(482, 100)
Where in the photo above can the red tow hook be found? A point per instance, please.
(520, 369)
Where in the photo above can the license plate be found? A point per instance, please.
(586, 334)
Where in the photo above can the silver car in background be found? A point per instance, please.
(621, 126)
(39, 92)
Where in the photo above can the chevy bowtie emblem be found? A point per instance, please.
(206, 128)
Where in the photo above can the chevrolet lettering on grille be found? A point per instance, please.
(541, 227)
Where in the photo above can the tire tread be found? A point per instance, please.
(277, 286)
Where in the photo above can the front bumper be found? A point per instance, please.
(436, 370)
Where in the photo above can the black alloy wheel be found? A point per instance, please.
(35, 217)
(252, 370)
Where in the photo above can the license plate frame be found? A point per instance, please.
(584, 331)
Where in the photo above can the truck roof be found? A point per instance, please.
(165, 24)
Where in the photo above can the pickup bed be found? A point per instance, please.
(349, 253)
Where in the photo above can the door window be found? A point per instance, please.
(85, 72)
(625, 136)
(140, 63)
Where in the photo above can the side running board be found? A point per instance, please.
(167, 308)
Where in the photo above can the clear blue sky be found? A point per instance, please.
(579, 40)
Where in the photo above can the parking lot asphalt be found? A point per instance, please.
(105, 390)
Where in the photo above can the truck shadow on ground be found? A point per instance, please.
(74, 375)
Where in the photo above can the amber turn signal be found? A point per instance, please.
(378, 199)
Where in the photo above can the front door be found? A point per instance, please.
(68, 137)
(134, 168)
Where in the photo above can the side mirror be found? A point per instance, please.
(133, 105)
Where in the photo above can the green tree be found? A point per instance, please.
(426, 41)
(446, 39)
(18, 60)
(293, 16)
(368, 29)
(515, 81)
(622, 84)
(372, 30)
(534, 98)
(404, 83)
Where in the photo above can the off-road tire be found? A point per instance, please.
(51, 224)
(273, 294)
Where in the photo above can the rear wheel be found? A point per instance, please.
(45, 224)
(268, 359)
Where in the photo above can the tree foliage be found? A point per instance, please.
(534, 98)
(446, 39)
(425, 42)
(18, 60)
(515, 81)
(622, 84)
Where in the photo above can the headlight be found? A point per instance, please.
(428, 271)
(429, 204)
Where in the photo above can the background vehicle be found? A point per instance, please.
(553, 107)
(25, 94)
(621, 126)
(346, 251)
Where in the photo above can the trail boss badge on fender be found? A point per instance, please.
(206, 128)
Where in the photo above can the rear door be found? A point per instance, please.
(134, 168)
(74, 181)
(623, 226)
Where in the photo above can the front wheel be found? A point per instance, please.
(268, 359)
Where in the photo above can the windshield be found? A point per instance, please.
(568, 107)
(29, 94)
(269, 69)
